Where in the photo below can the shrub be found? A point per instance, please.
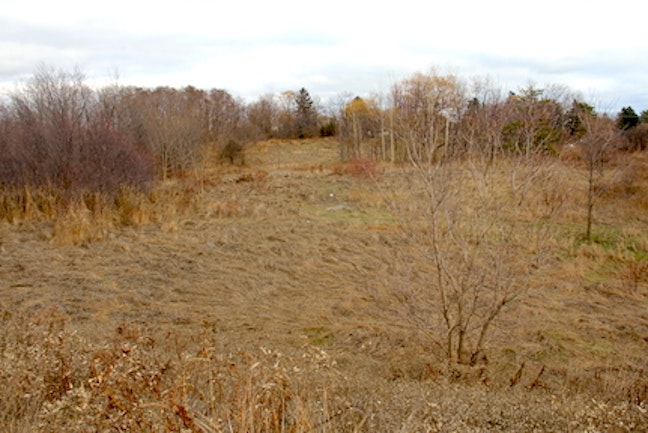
(232, 152)
(361, 167)
(55, 137)
(636, 138)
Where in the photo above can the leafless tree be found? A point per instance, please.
(595, 145)
(226, 117)
(59, 138)
(470, 270)
(423, 107)
(263, 115)
(286, 120)
(171, 123)
(480, 127)
(359, 129)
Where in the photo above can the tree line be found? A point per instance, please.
(432, 115)
(57, 131)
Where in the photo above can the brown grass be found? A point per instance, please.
(91, 217)
(253, 299)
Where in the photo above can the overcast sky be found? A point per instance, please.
(597, 48)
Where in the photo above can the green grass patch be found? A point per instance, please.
(318, 336)
(610, 239)
(600, 348)
(556, 347)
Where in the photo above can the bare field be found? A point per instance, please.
(295, 254)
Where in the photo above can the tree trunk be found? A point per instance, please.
(590, 202)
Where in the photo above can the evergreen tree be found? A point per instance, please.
(306, 115)
(575, 116)
(643, 117)
(627, 118)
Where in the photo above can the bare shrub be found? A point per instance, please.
(62, 156)
(169, 123)
(113, 161)
(466, 252)
(637, 138)
(360, 167)
(232, 152)
(56, 139)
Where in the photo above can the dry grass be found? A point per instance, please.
(253, 299)
(92, 217)
(139, 379)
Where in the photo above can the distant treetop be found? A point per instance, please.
(627, 118)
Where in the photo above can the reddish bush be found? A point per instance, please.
(53, 134)
(362, 167)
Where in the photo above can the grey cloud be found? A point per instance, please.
(98, 49)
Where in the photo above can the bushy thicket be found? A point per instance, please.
(58, 132)
(55, 135)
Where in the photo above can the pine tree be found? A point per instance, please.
(574, 118)
(627, 118)
(306, 116)
(643, 117)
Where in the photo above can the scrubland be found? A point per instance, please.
(296, 293)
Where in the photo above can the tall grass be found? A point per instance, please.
(90, 216)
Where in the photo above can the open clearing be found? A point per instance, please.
(293, 251)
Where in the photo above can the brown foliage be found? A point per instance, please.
(637, 138)
(360, 167)
(54, 380)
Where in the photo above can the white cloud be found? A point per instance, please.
(254, 47)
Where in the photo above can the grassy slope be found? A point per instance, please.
(285, 253)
